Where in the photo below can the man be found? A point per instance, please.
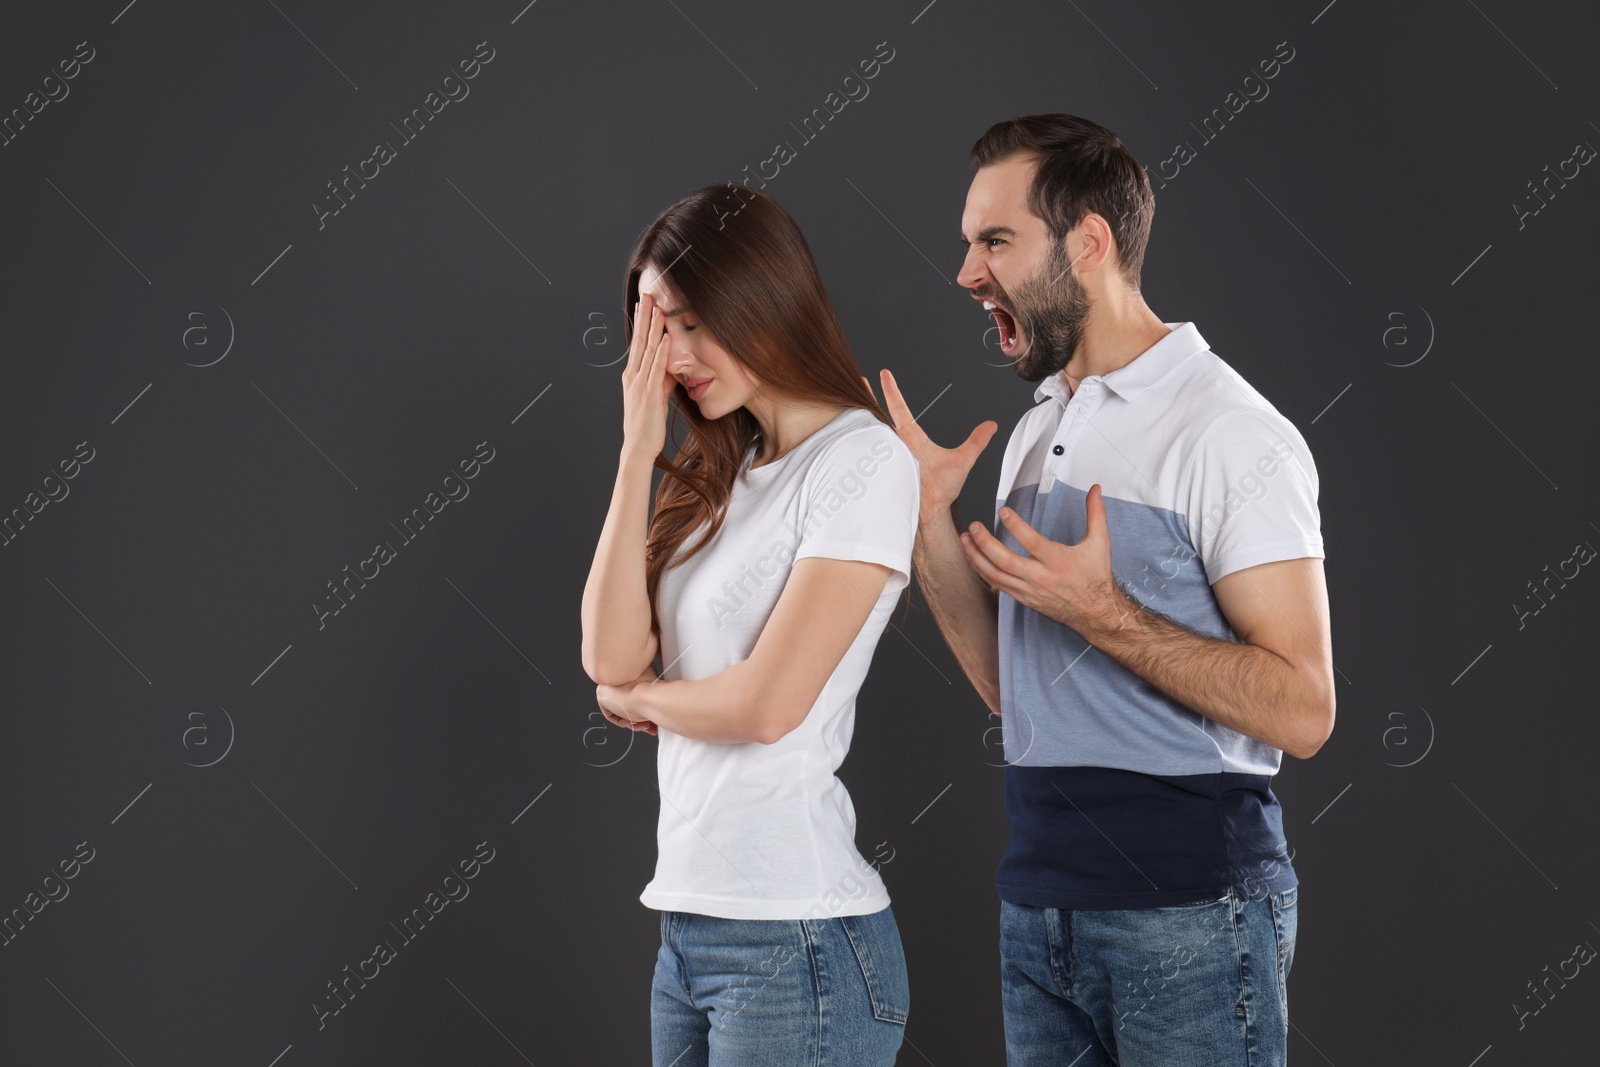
(1151, 625)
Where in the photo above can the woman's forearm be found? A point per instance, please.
(617, 640)
(719, 709)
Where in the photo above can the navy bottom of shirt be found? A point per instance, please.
(1101, 837)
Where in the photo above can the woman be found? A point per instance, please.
(780, 543)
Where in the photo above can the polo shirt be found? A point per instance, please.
(1117, 795)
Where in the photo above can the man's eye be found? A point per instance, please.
(996, 240)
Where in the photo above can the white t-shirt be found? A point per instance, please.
(755, 831)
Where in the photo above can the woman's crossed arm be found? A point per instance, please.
(823, 606)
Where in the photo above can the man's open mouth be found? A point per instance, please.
(1007, 324)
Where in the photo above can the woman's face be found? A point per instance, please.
(720, 384)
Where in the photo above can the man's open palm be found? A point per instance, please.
(943, 470)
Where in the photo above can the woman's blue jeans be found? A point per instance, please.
(778, 992)
(1189, 986)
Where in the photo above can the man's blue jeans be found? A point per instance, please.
(778, 992)
(1197, 985)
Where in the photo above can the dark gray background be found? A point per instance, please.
(1358, 216)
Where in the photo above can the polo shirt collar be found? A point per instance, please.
(1143, 371)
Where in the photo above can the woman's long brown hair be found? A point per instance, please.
(739, 263)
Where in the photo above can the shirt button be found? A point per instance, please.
(1058, 450)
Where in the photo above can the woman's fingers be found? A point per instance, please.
(658, 354)
(641, 725)
(657, 380)
(650, 364)
(636, 342)
(647, 325)
(651, 334)
(644, 391)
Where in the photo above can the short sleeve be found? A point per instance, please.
(1252, 494)
(860, 502)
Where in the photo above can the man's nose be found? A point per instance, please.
(972, 274)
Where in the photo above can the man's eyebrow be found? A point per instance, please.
(991, 231)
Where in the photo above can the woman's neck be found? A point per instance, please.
(784, 427)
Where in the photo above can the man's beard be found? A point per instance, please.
(1051, 310)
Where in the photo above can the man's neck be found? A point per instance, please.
(1114, 340)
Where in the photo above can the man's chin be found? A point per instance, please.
(1024, 365)
(1031, 367)
(1018, 356)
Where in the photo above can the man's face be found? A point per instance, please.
(1041, 309)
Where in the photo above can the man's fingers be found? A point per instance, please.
(904, 423)
(978, 440)
(980, 538)
(979, 562)
(969, 449)
(896, 403)
(1001, 558)
(1095, 512)
(1026, 535)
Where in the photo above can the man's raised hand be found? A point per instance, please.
(943, 470)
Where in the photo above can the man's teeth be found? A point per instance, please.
(989, 305)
